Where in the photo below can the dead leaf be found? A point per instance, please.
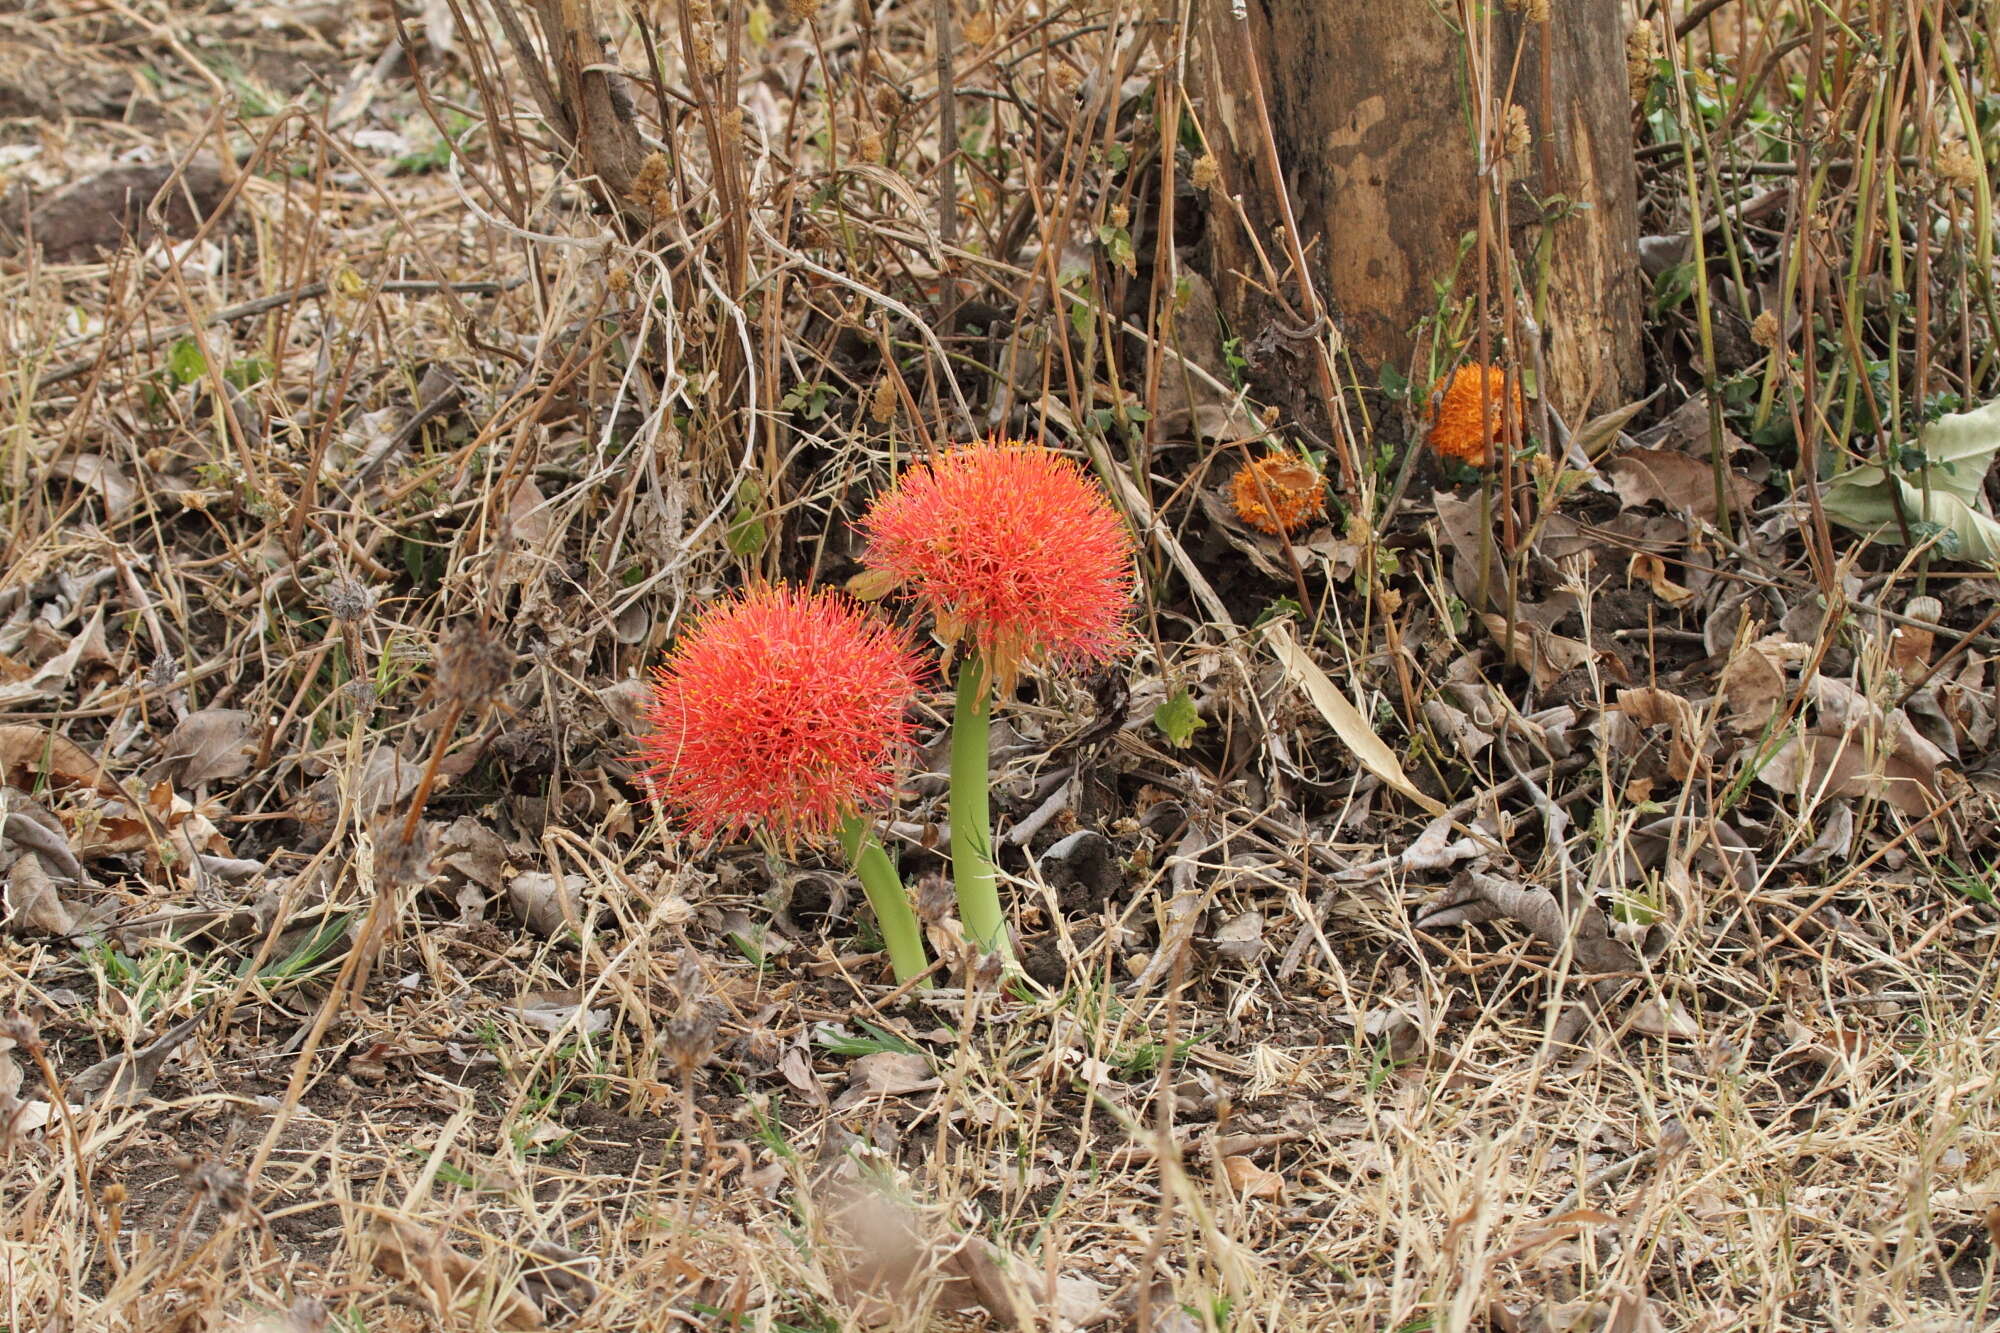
(1546, 656)
(1679, 481)
(419, 1256)
(1342, 716)
(890, 1074)
(212, 745)
(1241, 938)
(32, 754)
(33, 905)
(1251, 1181)
(1831, 763)
(1477, 896)
(1653, 570)
(544, 902)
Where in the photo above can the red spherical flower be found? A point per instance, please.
(782, 710)
(1011, 546)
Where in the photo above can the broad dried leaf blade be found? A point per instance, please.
(1345, 719)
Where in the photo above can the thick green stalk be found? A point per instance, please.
(979, 907)
(901, 932)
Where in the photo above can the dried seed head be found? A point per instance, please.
(933, 897)
(208, 1178)
(689, 1039)
(401, 862)
(22, 1031)
(1534, 11)
(1515, 135)
(1764, 330)
(348, 599)
(1642, 48)
(882, 402)
(1955, 163)
(986, 971)
(1207, 172)
(472, 665)
(802, 11)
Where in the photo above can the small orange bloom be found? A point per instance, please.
(1279, 493)
(1466, 420)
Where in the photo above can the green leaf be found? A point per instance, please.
(747, 533)
(831, 1037)
(1394, 382)
(249, 370)
(1177, 719)
(1960, 449)
(185, 361)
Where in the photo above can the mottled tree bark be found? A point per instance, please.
(1370, 105)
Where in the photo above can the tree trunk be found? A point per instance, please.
(1371, 114)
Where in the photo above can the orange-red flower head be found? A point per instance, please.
(1010, 546)
(1279, 493)
(782, 710)
(1466, 420)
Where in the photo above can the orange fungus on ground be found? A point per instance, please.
(1010, 546)
(781, 709)
(1466, 421)
(1278, 494)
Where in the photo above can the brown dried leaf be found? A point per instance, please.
(891, 1074)
(1826, 762)
(212, 745)
(1345, 719)
(419, 1256)
(1544, 655)
(1251, 1181)
(1477, 896)
(29, 754)
(544, 902)
(33, 907)
(1674, 479)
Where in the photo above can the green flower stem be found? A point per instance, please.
(979, 907)
(884, 887)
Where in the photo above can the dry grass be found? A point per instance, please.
(339, 531)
